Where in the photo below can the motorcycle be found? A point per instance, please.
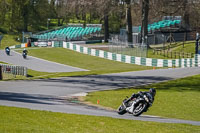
(24, 55)
(8, 51)
(137, 105)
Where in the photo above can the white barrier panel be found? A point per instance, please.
(71, 46)
(160, 63)
(64, 44)
(177, 63)
(170, 63)
(138, 60)
(85, 50)
(109, 56)
(119, 57)
(128, 59)
(101, 53)
(148, 62)
(78, 48)
(93, 52)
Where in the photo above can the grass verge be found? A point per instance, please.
(25, 120)
(175, 99)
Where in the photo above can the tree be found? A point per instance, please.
(144, 27)
(129, 21)
(105, 8)
(3, 9)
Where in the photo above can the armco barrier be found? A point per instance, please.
(185, 62)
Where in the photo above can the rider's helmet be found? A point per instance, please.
(152, 91)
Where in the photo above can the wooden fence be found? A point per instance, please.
(9, 71)
(174, 55)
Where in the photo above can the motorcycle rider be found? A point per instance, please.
(25, 52)
(151, 93)
(7, 50)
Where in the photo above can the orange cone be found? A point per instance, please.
(97, 101)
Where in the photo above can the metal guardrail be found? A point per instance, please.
(13, 70)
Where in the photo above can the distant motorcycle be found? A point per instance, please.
(137, 105)
(24, 53)
(7, 50)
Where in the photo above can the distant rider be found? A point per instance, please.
(7, 50)
(25, 52)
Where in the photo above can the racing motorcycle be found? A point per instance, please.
(136, 106)
(7, 51)
(24, 54)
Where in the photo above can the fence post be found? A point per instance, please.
(1, 75)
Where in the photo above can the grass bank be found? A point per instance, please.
(9, 40)
(175, 99)
(25, 120)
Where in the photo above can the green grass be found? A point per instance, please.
(175, 99)
(96, 65)
(188, 48)
(8, 40)
(18, 120)
(3, 62)
(36, 74)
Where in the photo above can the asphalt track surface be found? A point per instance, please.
(55, 94)
(36, 63)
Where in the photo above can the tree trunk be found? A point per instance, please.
(106, 28)
(129, 22)
(144, 28)
(59, 22)
(186, 15)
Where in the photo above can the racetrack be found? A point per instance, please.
(53, 94)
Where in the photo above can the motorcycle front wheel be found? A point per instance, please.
(140, 107)
(121, 110)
